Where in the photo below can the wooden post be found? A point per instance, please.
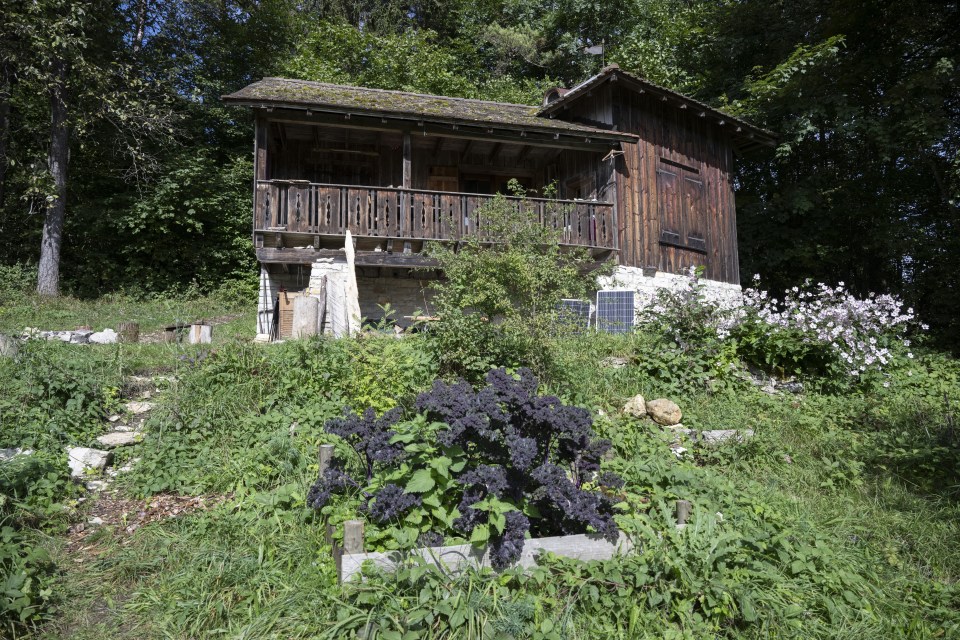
(353, 536)
(326, 457)
(407, 180)
(128, 332)
(684, 507)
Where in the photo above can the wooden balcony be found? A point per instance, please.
(301, 207)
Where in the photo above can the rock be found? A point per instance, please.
(615, 362)
(82, 460)
(95, 521)
(10, 454)
(137, 408)
(119, 439)
(262, 337)
(791, 387)
(80, 336)
(9, 347)
(97, 485)
(769, 389)
(636, 406)
(113, 418)
(721, 436)
(664, 412)
(107, 336)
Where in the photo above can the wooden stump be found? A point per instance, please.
(353, 536)
(326, 457)
(128, 332)
(201, 333)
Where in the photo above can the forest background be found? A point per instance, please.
(110, 115)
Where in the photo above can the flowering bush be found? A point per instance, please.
(825, 323)
(488, 465)
(810, 328)
(688, 314)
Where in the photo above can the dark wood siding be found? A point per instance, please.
(674, 194)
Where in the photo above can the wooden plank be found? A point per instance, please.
(459, 557)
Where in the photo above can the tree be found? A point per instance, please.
(72, 53)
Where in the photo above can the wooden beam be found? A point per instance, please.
(363, 258)
(523, 153)
(466, 149)
(436, 147)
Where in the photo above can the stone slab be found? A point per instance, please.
(453, 558)
(116, 439)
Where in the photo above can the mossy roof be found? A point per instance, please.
(321, 96)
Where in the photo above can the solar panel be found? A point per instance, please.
(575, 314)
(615, 312)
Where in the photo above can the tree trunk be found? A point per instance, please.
(5, 95)
(48, 271)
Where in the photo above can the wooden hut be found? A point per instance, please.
(645, 178)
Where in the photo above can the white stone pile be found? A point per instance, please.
(667, 414)
(76, 336)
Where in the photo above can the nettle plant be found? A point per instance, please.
(826, 325)
(488, 466)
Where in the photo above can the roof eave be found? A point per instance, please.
(266, 103)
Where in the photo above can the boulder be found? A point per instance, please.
(80, 336)
(10, 454)
(107, 336)
(83, 459)
(792, 387)
(664, 412)
(636, 406)
(9, 346)
(116, 439)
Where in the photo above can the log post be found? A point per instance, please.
(128, 332)
(684, 507)
(326, 457)
(353, 536)
(201, 333)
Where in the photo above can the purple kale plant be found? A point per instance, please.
(527, 463)
(527, 450)
(333, 480)
(369, 436)
(390, 504)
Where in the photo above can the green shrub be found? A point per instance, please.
(498, 304)
(16, 282)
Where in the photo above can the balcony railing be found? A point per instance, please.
(407, 214)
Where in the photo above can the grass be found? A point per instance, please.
(824, 478)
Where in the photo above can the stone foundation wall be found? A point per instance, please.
(647, 286)
(405, 290)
